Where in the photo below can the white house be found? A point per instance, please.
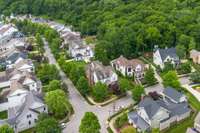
(7, 30)
(134, 67)
(25, 115)
(76, 47)
(12, 43)
(161, 56)
(25, 78)
(97, 72)
(24, 65)
(14, 95)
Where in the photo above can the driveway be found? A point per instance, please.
(184, 80)
(81, 106)
(157, 88)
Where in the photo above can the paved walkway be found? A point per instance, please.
(192, 91)
(79, 104)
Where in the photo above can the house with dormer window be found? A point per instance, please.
(162, 56)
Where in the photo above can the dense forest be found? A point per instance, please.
(127, 27)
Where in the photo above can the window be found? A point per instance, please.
(29, 122)
(35, 120)
(44, 108)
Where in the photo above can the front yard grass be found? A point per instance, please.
(31, 130)
(3, 115)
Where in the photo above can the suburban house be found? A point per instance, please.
(162, 56)
(25, 115)
(195, 56)
(14, 58)
(76, 47)
(160, 113)
(133, 67)
(7, 30)
(14, 42)
(20, 95)
(80, 52)
(24, 65)
(24, 77)
(97, 72)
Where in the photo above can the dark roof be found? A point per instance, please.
(13, 57)
(138, 121)
(172, 93)
(17, 34)
(174, 108)
(168, 52)
(151, 107)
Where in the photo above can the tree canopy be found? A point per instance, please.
(6, 129)
(149, 77)
(100, 92)
(57, 103)
(54, 85)
(46, 124)
(123, 27)
(137, 92)
(170, 79)
(89, 123)
(47, 73)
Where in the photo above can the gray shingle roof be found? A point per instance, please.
(138, 121)
(168, 52)
(17, 112)
(174, 108)
(15, 56)
(172, 93)
(151, 107)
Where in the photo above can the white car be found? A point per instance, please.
(63, 125)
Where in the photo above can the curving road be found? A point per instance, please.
(80, 105)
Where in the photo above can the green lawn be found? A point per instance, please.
(182, 127)
(4, 115)
(28, 131)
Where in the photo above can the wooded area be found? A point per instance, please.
(122, 27)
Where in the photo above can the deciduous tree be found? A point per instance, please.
(6, 129)
(171, 79)
(89, 123)
(57, 103)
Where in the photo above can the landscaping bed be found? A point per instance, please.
(4, 115)
(28, 131)
(197, 88)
